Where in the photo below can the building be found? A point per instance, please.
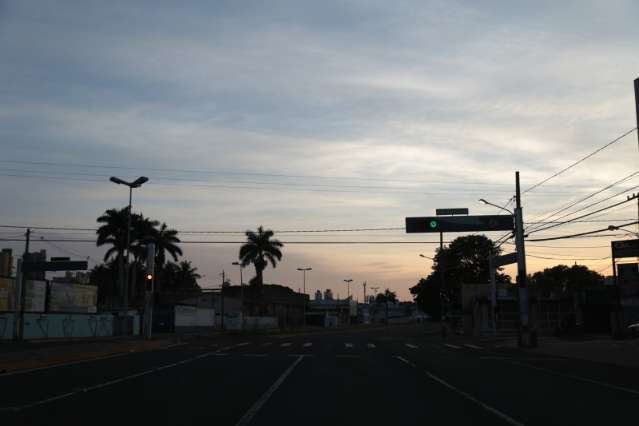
(6, 262)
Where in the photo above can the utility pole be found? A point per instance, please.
(637, 114)
(23, 284)
(364, 284)
(526, 336)
(442, 281)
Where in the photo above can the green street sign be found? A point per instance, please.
(460, 223)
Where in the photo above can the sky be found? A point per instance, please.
(313, 116)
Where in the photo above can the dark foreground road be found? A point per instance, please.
(394, 376)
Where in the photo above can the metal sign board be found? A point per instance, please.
(450, 212)
(459, 223)
(625, 248)
(505, 259)
(55, 266)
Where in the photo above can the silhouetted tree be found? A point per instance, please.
(386, 296)
(563, 279)
(259, 250)
(464, 261)
(165, 242)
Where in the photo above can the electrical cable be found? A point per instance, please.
(581, 234)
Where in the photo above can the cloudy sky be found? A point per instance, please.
(312, 116)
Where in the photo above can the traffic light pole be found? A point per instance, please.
(527, 337)
(442, 282)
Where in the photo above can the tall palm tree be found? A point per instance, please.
(186, 275)
(165, 242)
(259, 250)
(113, 232)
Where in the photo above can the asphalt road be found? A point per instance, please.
(397, 376)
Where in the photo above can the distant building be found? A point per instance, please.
(70, 277)
(38, 256)
(318, 296)
(6, 262)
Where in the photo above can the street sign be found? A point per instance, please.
(459, 223)
(505, 259)
(55, 266)
(450, 212)
(60, 259)
(625, 248)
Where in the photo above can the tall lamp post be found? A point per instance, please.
(304, 279)
(241, 291)
(348, 295)
(135, 184)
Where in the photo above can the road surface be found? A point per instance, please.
(391, 376)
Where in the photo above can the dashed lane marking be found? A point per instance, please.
(452, 346)
(286, 345)
(411, 345)
(371, 346)
(466, 395)
(267, 344)
(248, 416)
(243, 344)
(348, 345)
(308, 344)
(468, 345)
(255, 355)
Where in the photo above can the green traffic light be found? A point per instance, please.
(433, 224)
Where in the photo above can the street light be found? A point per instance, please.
(481, 200)
(135, 184)
(304, 274)
(427, 257)
(348, 286)
(617, 228)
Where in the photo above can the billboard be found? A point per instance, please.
(73, 298)
(628, 282)
(6, 294)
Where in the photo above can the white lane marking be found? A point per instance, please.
(267, 344)
(468, 345)
(347, 356)
(304, 355)
(452, 346)
(243, 344)
(286, 345)
(15, 373)
(371, 345)
(175, 345)
(570, 376)
(220, 354)
(248, 416)
(308, 344)
(469, 397)
(411, 346)
(348, 345)
(254, 355)
(105, 384)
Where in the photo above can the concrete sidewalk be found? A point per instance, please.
(31, 355)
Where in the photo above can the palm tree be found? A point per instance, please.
(186, 275)
(259, 250)
(165, 242)
(113, 232)
(143, 231)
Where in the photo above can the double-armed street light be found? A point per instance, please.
(125, 281)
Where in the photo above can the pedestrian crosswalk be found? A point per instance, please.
(350, 346)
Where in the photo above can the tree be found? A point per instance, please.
(186, 276)
(113, 232)
(563, 279)
(259, 250)
(165, 242)
(386, 296)
(464, 261)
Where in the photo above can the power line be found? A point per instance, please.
(562, 258)
(585, 215)
(241, 242)
(580, 234)
(624, 179)
(580, 160)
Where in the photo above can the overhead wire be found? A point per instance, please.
(581, 160)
